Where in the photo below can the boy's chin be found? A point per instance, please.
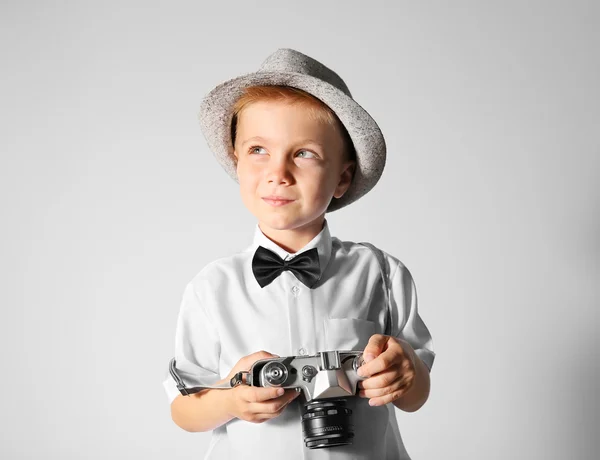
(281, 224)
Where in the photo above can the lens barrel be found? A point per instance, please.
(327, 423)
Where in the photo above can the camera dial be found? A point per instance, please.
(275, 373)
(358, 361)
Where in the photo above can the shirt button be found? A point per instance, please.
(295, 290)
(301, 351)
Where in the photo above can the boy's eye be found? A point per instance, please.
(301, 154)
(255, 148)
(307, 154)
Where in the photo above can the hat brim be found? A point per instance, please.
(215, 118)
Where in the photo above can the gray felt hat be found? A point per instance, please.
(291, 68)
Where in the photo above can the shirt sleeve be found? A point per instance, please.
(407, 324)
(197, 345)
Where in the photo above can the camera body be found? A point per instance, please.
(328, 374)
(326, 379)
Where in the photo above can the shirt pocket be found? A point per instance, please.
(347, 333)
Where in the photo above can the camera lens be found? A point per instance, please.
(275, 373)
(326, 423)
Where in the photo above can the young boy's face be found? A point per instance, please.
(289, 166)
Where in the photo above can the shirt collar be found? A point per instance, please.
(322, 242)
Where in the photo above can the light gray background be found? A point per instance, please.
(111, 203)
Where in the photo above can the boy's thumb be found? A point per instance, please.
(368, 357)
(374, 347)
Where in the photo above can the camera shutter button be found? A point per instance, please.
(308, 372)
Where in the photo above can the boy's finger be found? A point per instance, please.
(380, 380)
(270, 415)
(258, 355)
(260, 417)
(259, 394)
(374, 347)
(274, 405)
(286, 398)
(289, 395)
(379, 364)
(402, 384)
(246, 362)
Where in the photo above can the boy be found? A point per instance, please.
(299, 146)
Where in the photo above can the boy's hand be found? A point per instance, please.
(257, 404)
(390, 368)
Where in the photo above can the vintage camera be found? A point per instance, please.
(326, 380)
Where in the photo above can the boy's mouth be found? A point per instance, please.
(276, 200)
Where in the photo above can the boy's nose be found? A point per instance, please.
(278, 172)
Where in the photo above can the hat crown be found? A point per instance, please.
(289, 60)
(288, 67)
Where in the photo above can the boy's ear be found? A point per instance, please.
(345, 178)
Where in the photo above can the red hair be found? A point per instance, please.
(318, 110)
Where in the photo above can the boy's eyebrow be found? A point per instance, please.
(262, 139)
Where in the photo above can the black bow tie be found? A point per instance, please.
(266, 266)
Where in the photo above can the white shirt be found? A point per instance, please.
(225, 315)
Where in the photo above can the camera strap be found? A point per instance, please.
(386, 285)
(237, 379)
